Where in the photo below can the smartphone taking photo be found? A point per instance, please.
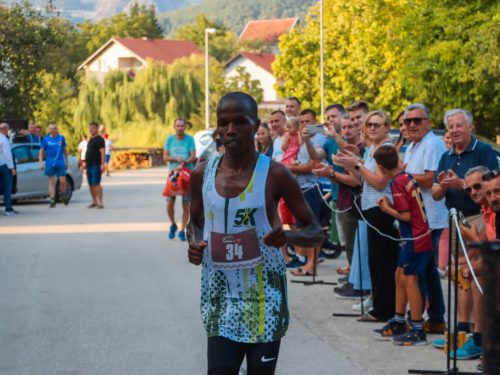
(315, 129)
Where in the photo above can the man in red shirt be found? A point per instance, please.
(409, 209)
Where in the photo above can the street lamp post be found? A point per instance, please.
(207, 88)
(322, 69)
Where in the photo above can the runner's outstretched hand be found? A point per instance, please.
(195, 251)
(275, 238)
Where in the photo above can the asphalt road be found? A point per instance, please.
(106, 292)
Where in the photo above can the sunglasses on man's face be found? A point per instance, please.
(488, 176)
(373, 124)
(476, 187)
(415, 120)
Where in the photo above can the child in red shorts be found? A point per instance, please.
(414, 230)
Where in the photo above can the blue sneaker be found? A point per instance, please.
(295, 263)
(173, 229)
(390, 330)
(321, 257)
(413, 337)
(353, 294)
(438, 344)
(182, 236)
(469, 351)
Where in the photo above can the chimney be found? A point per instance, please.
(259, 52)
(145, 37)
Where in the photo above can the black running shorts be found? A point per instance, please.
(226, 356)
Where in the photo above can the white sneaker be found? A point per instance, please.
(442, 274)
(367, 305)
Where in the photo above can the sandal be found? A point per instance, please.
(92, 205)
(367, 318)
(300, 272)
(99, 207)
(344, 270)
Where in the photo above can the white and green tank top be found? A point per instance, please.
(245, 305)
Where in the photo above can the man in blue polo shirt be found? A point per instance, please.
(56, 163)
(449, 180)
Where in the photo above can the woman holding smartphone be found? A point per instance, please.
(383, 253)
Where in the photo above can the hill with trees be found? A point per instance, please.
(234, 14)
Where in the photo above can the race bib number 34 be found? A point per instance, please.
(236, 250)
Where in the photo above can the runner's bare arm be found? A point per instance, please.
(283, 184)
(197, 217)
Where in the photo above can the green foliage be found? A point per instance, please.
(452, 51)
(222, 45)
(234, 14)
(361, 62)
(27, 43)
(56, 103)
(143, 108)
(140, 22)
(242, 82)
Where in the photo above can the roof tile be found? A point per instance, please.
(268, 30)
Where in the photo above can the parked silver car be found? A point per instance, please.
(31, 182)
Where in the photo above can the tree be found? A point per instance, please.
(140, 22)
(223, 45)
(242, 82)
(140, 108)
(452, 54)
(361, 61)
(57, 99)
(27, 41)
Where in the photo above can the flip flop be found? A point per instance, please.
(299, 272)
(92, 205)
(370, 319)
(344, 270)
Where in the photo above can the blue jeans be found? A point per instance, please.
(313, 199)
(6, 185)
(430, 283)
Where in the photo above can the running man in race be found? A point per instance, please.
(235, 197)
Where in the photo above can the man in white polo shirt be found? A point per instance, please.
(422, 160)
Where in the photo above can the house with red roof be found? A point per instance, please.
(259, 66)
(127, 53)
(268, 31)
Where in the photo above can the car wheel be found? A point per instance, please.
(331, 250)
(69, 189)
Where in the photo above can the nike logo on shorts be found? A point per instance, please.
(264, 359)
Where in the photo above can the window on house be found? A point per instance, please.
(104, 66)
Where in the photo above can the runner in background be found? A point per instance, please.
(179, 151)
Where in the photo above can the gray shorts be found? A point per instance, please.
(185, 198)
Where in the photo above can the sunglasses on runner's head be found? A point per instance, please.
(374, 124)
(477, 186)
(488, 176)
(416, 120)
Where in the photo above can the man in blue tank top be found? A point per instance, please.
(234, 198)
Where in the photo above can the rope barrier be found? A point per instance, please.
(392, 238)
(329, 204)
(453, 213)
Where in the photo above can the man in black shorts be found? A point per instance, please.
(234, 199)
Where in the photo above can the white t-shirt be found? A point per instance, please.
(277, 151)
(425, 156)
(108, 145)
(83, 146)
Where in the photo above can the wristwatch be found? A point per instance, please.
(332, 175)
(358, 166)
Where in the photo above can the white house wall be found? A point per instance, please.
(109, 58)
(256, 72)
